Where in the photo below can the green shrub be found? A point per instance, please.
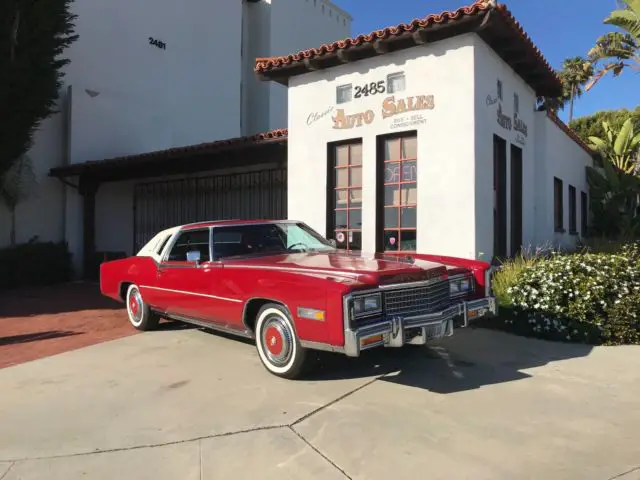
(34, 263)
(584, 297)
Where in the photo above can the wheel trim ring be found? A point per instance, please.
(135, 306)
(277, 340)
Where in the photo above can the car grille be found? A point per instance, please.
(409, 302)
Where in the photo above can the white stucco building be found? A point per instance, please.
(153, 76)
(426, 137)
(420, 137)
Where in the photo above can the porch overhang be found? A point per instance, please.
(234, 152)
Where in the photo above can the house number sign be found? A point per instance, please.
(157, 43)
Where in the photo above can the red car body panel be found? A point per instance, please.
(219, 292)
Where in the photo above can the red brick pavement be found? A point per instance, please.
(39, 322)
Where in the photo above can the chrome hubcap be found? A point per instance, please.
(135, 306)
(277, 341)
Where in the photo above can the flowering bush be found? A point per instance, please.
(588, 297)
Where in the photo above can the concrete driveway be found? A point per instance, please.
(187, 404)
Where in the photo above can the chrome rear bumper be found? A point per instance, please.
(398, 331)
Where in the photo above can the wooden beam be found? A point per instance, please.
(312, 64)
(344, 56)
(381, 46)
(420, 37)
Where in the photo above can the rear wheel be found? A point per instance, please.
(140, 315)
(277, 343)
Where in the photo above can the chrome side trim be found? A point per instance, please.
(183, 292)
(210, 326)
(325, 347)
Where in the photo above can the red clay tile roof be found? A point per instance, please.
(570, 132)
(175, 153)
(508, 28)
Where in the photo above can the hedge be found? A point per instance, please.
(582, 297)
(34, 264)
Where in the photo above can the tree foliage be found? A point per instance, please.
(575, 73)
(619, 148)
(591, 125)
(615, 52)
(33, 37)
(615, 188)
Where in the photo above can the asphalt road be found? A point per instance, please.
(187, 404)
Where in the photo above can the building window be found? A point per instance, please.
(573, 221)
(346, 195)
(343, 93)
(584, 213)
(558, 205)
(400, 193)
(516, 103)
(499, 87)
(396, 82)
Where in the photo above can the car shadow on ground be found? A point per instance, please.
(471, 359)
(35, 337)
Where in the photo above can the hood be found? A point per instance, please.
(354, 268)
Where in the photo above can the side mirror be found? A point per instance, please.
(333, 243)
(193, 256)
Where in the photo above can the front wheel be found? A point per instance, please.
(140, 315)
(277, 343)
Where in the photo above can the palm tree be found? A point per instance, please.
(618, 50)
(575, 73)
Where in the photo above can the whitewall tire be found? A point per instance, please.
(277, 343)
(140, 315)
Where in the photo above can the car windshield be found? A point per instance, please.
(266, 239)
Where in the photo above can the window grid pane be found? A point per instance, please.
(347, 184)
(400, 199)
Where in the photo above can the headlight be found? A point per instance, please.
(460, 286)
(367, 304)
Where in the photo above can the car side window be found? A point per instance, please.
(191, 240)
(161, 244)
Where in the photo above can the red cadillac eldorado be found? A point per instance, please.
(290, 289)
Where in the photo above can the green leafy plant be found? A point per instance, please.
(591, 125)
(621, 148)
(578, 297)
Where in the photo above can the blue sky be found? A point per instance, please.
(560, 29)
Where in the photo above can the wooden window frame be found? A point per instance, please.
(380, 191)
(584, 213)
(558, 205)
(573, 213)
(332, 188)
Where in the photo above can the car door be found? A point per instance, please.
(189, 280)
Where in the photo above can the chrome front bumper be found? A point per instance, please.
(398, 331)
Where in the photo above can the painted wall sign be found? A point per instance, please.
(404, 122)
(342, 120)
(315, 116)
(503, 120)
(390, 108)
(507, 122)
(519, 125)
(373, 88)
(157, 43)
